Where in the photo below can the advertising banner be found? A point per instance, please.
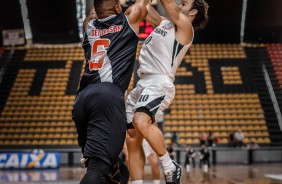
(29, 160)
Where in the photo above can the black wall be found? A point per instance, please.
(53, 21)
(10, 16)
(264, 21)
(224, 22)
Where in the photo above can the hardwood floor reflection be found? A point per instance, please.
(216, 175)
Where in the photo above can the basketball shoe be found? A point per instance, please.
(174, 177)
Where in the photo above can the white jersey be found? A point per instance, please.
(161, 53)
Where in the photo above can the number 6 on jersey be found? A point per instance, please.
(98, 54)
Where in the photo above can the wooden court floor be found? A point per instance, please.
(222, 174)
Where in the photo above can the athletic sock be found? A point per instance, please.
(137, 182)
(167, 163)
(156, 181)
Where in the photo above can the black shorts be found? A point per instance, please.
(100, 118)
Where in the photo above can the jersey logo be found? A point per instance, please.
(98, 54)
(168, 26)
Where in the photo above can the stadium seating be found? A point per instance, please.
(39, 116)
(192, 113)
(275, 53)
(43, 119)
(212, 94)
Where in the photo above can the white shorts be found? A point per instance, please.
(154, 92)
(147, 148)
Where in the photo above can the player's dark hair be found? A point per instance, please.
(201, 19)
(98, 4)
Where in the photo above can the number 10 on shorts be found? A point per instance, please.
(143, 98)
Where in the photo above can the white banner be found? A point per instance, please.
(13, 37)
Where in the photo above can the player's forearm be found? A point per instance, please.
(92, 12)
(171, 9)
(143, 2)
(92, 15)
(166, 3)
(153, 16)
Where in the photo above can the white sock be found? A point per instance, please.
(137, 182)
(157, 181)
(187, 168)
(167, 163)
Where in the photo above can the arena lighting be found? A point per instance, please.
(80, 15)
(143, 35)
(243, 21)
(145, 30)
(27, 28)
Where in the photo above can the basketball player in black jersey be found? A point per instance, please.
(110, 43)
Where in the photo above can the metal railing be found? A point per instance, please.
(272, 95)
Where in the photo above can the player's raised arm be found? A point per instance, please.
(90, 16)
(187, 14)
(136, 13)
(174, 12)
(153, 17)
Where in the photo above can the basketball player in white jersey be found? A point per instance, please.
(159, 59)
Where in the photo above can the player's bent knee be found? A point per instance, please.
(142, 122)
(133, 137)
(131, 134)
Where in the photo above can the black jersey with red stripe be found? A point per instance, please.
(110, 47)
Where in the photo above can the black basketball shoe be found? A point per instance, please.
(174, 177)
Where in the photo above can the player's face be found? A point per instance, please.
(185, 6)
